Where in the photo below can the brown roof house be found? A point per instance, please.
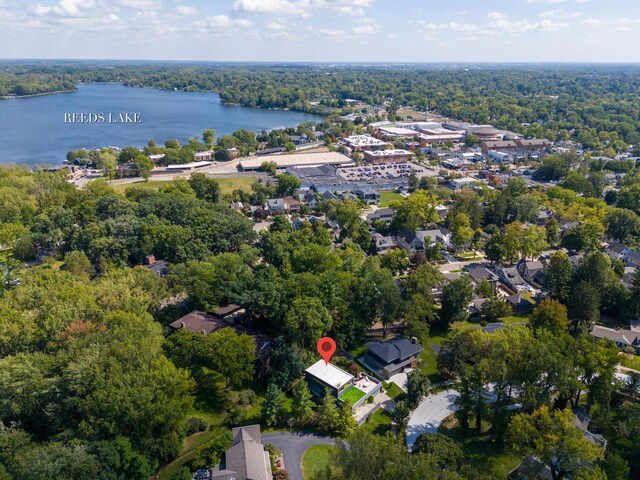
(246, 458)
(228, 316)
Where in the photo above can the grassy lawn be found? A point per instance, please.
(378, 424)
(394, 391)
(227, 185)
(352, 395)
(428, 365)
(387, 197)
(315, 460)
(630, 361)
(489, 459)
(515, 320)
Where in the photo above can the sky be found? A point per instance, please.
(323, 30)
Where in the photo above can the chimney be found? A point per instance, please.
(414, 340)
(204, 332)
(181, 324)
(151, 259)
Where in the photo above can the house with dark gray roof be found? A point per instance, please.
(245, 459)
(393, 356)
(408, 241)
(510, 277)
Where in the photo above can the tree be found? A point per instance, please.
(472, 386)
(513, 234)
(461, 230)
(584, 304)
(400, 417)
(78, 264)
(272, 405)
(328, 411)
(456, 296)
(553, 232)
(307, 321)
(495, 248)
(445, 449)
(287, 184)
(415, 211)
(534, 241)
(550, 315)
(206, 188)
(622, 225)
(558, 276)
(395, 260)
(417, 387)
(493, 309)
(232, 355)
(629, 198)
(208, 137)
(302, 405)
(585, 236)
(346, 213)
(345, 424)
(555, 440)
(285, 365)
(290, 146)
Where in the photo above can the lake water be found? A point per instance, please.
(33, 130)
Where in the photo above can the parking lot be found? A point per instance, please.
(387, 172)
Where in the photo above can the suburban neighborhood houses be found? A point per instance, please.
(474, 265)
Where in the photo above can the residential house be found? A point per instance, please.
(342, 385)
(276, 206)
(385, 214)
(520, 303)
(245, 459)
(159, 267)
(371, 197)
(531, 468)
(228, 316)
(616, 250)
(393, 356)
(383, 244)
(408, 241)
(479, 273)
(532, 272)
(510, 277)
(535, 144)
(291, 204)
(438, 236)
(622, 338)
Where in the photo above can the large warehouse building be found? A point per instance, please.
(295, 160)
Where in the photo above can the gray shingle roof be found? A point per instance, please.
(396, 349)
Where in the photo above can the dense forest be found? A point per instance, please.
(589, 104)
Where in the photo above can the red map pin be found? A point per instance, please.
(326, 348)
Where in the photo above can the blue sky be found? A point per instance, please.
(323, 30)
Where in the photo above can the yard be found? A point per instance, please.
(378, 424)
(491, 460)
(315, 460)
(352, 395)
(387, 197)
(630, 361)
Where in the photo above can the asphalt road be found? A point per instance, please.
(430, 414)
(293, 445)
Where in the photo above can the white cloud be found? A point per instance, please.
(65, 8)
(367, 29)
(272, 7)
(140, 4)
(545, 1)
(332, 33)
(218, 23)
(186, 11)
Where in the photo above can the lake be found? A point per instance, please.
(33, 130)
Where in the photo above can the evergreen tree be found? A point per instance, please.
(272, 406)
(345, 423)
(302, 404)
(328, 412)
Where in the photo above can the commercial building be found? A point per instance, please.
(397, 132)
(203, 156)
(296, 160)
(364, 142)
(388, 156)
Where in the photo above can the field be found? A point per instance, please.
(315, 460)
(387, 197)
(227, 185)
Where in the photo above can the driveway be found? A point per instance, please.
(400, 379)
(293, 445)
(430, 414)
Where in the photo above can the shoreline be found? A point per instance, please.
(10, 97)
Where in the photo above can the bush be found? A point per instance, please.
(197, 424)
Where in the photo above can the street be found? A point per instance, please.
(293, 445)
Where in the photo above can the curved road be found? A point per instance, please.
(293, 445)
